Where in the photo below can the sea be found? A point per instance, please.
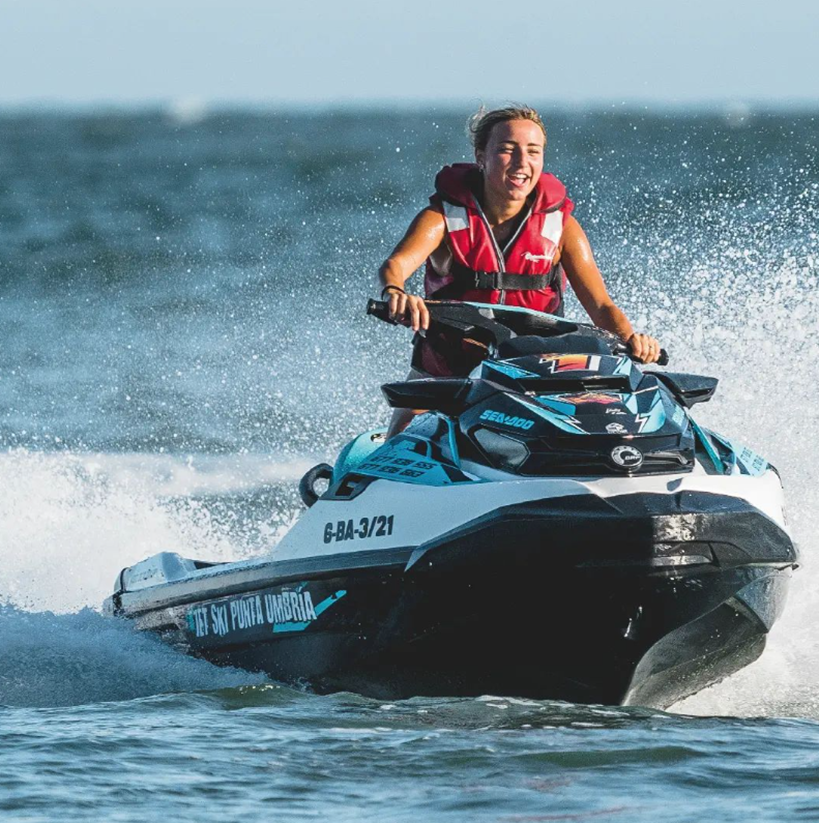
(183, 333)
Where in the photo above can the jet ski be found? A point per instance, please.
(556, 525)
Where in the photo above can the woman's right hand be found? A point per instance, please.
(408, 309)
(425, 234)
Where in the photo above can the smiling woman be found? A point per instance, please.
(499, 230)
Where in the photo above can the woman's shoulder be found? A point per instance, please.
(427, 227)
(432, 215)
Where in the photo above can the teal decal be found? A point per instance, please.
(317, 611)
(752, 462)
(453, 443)
(399, 459)
(678, 415)
(556, 404)
(625, 366)
(563, 422)
(509, 371)
(654, 418)
(702, 436)
(494, 307)
(286, 609)
(741, 459)
(357, 451)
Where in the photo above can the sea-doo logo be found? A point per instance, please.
(535, 257)
(616, 428)
(506, 420)
(627, 457)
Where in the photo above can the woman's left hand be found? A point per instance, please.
(644, 347)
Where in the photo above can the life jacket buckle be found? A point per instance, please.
(486, 280)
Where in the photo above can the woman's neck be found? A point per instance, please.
(500, 210)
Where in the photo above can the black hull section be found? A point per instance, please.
(635, 600)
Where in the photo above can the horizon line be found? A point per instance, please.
(197, 106)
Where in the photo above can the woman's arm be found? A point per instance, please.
(587, 282)
(425, 234)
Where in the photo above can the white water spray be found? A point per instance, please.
(759, 333)
(68, 524)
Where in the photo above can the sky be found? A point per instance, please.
(674, 52)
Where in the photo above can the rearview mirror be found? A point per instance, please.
(443, 394)
(688, 388)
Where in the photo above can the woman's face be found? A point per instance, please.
(512, 161)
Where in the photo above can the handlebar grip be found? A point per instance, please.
(623, 349)
(379, 309)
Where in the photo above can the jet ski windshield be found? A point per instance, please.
(525, 321)
(564, 344)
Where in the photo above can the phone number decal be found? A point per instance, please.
(378, 526)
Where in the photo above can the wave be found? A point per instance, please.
(49, 659)
(70, 522)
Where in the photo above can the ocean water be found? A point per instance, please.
(183, 333)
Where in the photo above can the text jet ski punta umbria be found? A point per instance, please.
(556, 526)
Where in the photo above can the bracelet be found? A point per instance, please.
(390, 286)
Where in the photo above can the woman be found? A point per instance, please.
(499, 231)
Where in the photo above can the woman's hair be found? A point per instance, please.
(481, 123)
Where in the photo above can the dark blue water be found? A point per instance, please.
(267, 751)
(181, 305)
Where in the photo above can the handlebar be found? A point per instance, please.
(381, 310)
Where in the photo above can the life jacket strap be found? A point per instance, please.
(498, 280)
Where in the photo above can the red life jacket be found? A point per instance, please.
(475, 268)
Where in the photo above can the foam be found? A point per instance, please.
(70, 522)
(69, 659)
